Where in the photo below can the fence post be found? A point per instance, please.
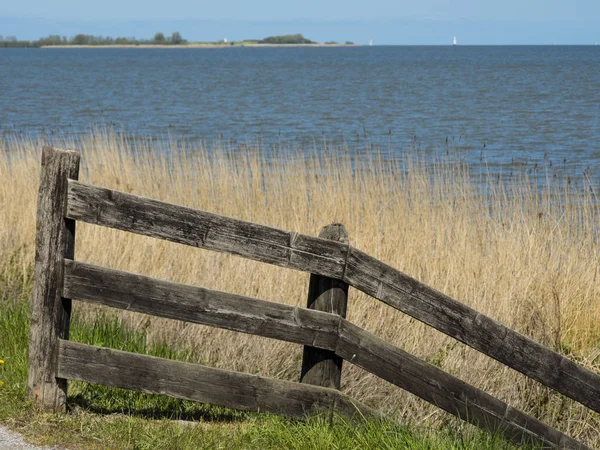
(51, 313)
(323, 367)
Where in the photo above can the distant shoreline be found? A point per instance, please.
(199, 45)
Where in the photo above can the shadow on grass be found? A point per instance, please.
(199, 413)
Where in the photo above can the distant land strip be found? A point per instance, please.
(175, 40)
(199, 45)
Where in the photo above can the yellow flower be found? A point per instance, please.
(1, 362)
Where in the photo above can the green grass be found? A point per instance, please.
(102, 417)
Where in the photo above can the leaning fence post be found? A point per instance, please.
(55, 238)
(323, 367)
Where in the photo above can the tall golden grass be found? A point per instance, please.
(524, 255)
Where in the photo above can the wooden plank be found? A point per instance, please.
(51, 313)
(472, 328)
(188, 226)
(323, 367)
(195, 382)
(444, 390)
(336, 260)
(147, 295)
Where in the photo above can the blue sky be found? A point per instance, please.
(384, 21)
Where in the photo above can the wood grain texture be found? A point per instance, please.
(147, 295)
(51, 312)
(200, 229)
(199, 383)
(472, 328)
(323, 367)
(336, 260)
(445, 391)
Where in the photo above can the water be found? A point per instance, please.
(504, 105)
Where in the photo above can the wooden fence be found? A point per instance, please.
(327, 336)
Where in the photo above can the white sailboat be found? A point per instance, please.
(371, 42)
(454, 41)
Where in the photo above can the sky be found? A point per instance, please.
(410, 22)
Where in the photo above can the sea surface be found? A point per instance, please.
(502, 105)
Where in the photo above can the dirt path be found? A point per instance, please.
(14, 441)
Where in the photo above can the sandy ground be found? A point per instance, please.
(14, 441)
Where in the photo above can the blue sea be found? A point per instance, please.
(502, 105)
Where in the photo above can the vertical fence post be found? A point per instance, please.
(51, 313)
(323, 367)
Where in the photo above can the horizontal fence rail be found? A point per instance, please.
(338, 260)
(147, 295)
(200, 383)
(201, 229)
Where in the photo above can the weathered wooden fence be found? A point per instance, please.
(328, 338)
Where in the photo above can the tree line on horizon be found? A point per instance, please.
(88, 39)
(287, 39)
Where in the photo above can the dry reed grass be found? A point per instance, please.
(526, 257)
